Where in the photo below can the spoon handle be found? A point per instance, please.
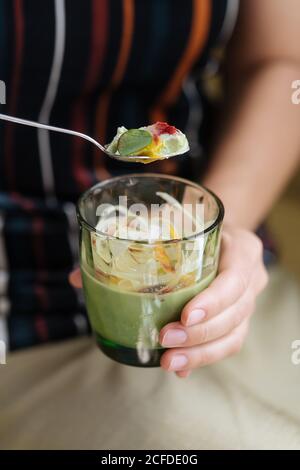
(26, 122)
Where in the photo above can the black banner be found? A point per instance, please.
(138, 459)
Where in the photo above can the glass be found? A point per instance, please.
(148, 244)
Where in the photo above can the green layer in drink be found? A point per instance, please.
(134, 319)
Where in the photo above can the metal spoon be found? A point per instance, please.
(122, 158)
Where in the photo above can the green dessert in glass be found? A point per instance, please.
(140, 266)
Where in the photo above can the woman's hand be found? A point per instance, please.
(214, 324)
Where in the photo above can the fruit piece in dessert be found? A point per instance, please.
(157, 142)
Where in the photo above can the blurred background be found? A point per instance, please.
(284, 224)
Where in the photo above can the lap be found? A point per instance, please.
(69, 395)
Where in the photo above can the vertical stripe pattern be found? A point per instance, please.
(89, 65)
(98, 40)
(102, 111)
(4, 302)
(196, 42)
(44, 116)
(13, 95)
(229, 20)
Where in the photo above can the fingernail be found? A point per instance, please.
(183, 374)
(178, 361)
(196, 316)
(173, 337)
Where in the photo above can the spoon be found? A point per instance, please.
(122, 158)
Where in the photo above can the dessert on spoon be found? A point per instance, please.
(146, 144)
(149, 143)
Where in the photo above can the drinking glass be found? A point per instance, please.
(148, 244)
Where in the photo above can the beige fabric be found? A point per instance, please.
(71, 396)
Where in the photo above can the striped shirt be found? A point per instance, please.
(88, 65)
